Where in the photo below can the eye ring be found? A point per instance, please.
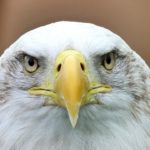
(109, 61)
(30, 64)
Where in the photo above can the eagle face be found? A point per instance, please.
(72, 83)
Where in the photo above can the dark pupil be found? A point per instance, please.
(31, 61)
(108, 59)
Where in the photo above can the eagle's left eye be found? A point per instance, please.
(109, 61)
(31, 64)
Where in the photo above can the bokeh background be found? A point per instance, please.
(128, 18)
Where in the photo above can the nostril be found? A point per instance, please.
(59, 67)
(82, 66)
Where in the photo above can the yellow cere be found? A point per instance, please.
(61, 57)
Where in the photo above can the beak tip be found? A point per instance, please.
(73, 118)
(73, 114)
(73, 121)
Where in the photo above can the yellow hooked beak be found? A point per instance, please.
(71, 87)
(72, 84)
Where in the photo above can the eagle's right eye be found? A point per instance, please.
(30, 63)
